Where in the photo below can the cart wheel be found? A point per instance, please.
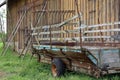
(57, 67)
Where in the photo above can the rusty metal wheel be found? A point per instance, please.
(57, 67)
(54, 70)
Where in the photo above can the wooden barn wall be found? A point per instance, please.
(99, 12)
(14, 11)
(93, 12)
(11, 19)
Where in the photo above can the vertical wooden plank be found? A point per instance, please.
(104, 15)
(90, 11)
(100, 11)
(70, 5)
(62, 7)
(84, 13)
(82, 10)
(94, 11)
(73, 7)
(116, 11)
(87, 15)
(107, 14)
(68, 26)
(72, 14)
(94, 17)
(96, 14)
(89, 7)
(100, 18)
(112, 14)
(118, 16)
(65, 8)
(64, 28)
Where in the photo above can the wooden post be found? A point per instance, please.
(76, 2)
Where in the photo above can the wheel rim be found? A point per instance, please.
(54, 70)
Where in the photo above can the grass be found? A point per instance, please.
(14, 68)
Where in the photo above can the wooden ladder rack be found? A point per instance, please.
(24, 51)
(12, 35)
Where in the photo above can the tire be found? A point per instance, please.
(57, 67)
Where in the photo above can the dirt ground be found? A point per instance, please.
(2, 75)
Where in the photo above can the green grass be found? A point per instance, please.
(14, 68)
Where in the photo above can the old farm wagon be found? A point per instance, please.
(79, 35)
